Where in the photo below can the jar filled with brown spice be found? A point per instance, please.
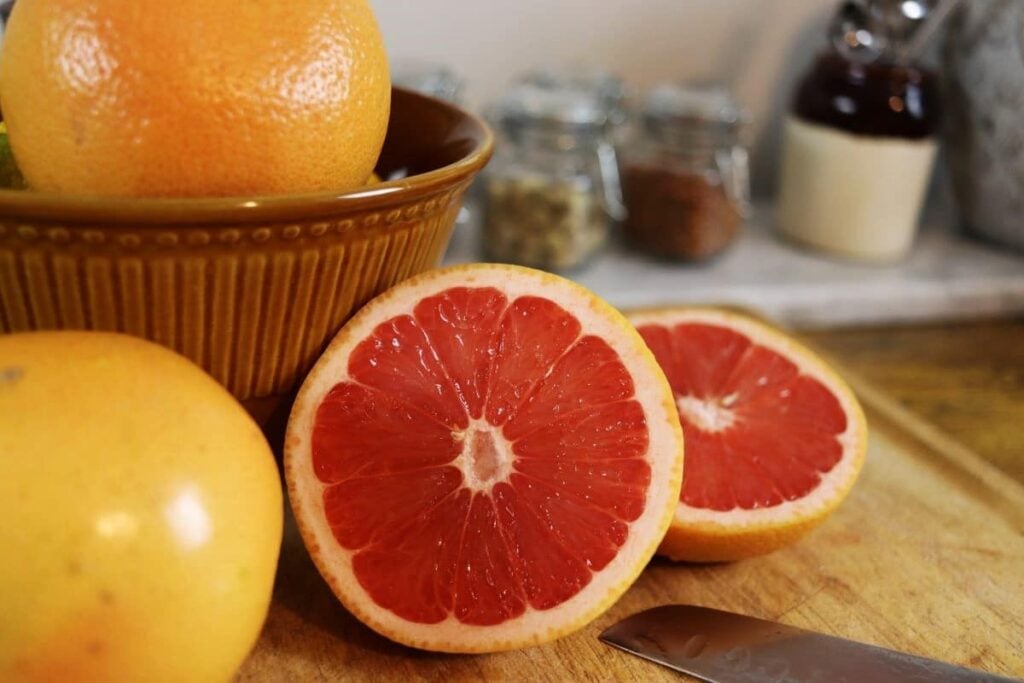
(685, 176)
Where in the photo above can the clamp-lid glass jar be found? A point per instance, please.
(552, 190)
(607, 87)
(685, 178)
(860, 139)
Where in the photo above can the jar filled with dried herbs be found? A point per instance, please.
(685, 178)
(552, 190)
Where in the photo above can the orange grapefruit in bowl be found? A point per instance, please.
(142, 514)
(775, 438)
(484, 458)
(149, 98)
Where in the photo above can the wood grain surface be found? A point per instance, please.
(926, 556)
(966, 379)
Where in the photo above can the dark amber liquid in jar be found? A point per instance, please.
(869, 99)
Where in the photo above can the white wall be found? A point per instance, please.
(757, 46)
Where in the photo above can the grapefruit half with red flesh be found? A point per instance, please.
(484, 458)
(774, 438)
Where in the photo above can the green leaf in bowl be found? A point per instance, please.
(10, 174)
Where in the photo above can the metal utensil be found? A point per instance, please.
(856, 33)
(933, 20)
(722, 647)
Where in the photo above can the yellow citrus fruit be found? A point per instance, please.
(775, 439)
(484, 458)
(194, 97)
(142, 514)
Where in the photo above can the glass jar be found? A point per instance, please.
(552, 189)
(859, 141)
(607, 87)
(858, 151)
(685, 178)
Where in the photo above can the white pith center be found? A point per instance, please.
(486, 457)
(708, 414)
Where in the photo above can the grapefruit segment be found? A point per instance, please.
(587, 376)
(403, 571)
(489, 590)
(361, 431)
(775, 439)
(617, 486)
(484, 458)
(532, 335)
(596, 533)
(366, 510)
(460, 325)
(610, 431)
(399, 361)
(551, 572)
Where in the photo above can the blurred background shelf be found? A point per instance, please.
(948, 277)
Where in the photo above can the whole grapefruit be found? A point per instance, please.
(142, 514)
(138, 98)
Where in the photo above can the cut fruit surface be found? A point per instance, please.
(774, 438)
(484, 458)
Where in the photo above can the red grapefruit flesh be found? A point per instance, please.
(775, 439)
(484, 458)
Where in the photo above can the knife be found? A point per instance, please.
(722, 647)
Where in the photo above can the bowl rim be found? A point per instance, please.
(140, 212)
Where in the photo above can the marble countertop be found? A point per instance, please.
(947, 277)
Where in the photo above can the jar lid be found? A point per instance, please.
(867, 31)
(429, 78)
(693, 106)
(607, 87)
(558, 109)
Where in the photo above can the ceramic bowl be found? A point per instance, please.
(252, 288)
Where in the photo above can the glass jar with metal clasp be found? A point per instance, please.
(552, 191)
(609, 89)
(685, 176)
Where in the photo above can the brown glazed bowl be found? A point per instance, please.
(251, 288)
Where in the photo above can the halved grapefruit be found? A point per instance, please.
(484, 458)
(774, 438)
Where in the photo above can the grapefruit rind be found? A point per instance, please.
(664, 455)
(703, 535)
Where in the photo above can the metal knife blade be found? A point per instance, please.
(722, 647)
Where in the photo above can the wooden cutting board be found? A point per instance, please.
(926, 556)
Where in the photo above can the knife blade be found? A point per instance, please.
(722, 647)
